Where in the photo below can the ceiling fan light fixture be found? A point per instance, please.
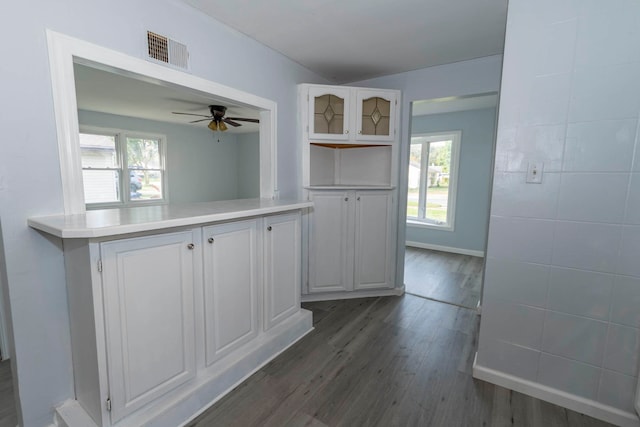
(213, 125)
(222, 126)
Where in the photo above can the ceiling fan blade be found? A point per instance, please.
(231, 122)
(241, 119)
(191, 114)
(200, 120)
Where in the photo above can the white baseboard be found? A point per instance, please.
(330, 296)
(461, 251)
(570, 401)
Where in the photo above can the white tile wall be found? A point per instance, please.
(509, 358)
(601, 146)
(632, 214)
(623, 345)
(521, 239)
(569, 375)
(513, 197)
(587, 246)
(607, 92)
(535, 143)
(625, 301)
(524, 327)
(579, 292)
(595, 197)
(517, 282)
(629, 259)
(574, 337)
(570, 97)
(617, 390)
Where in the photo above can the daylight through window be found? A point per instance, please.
(122, 168)
(433, 170)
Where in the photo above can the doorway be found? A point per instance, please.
(452, 142)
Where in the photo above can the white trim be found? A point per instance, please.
(440, 248)
(548, 394)
(4, 333)
(121, 136)
(329, 296)
(413, 222)
(65, 50)
(456, 139)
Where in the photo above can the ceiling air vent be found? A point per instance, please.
(166, 50)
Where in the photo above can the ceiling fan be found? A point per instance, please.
(218, 119)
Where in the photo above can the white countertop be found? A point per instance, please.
(112, 222)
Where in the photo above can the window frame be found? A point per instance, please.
(455, 137)
(121, 136)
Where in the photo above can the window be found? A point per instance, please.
(433, 176)
(122, 168)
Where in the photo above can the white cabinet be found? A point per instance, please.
(330, 248)
(149, 317)
(350, 164)
(230, 286)
(373, 240)
(282, 262)
(341, 113)
(351, 241)
(163, 320)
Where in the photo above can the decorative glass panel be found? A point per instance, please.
(376, 114)
(328, 114)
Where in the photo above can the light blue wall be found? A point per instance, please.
(474, 178)
(199, 168)
(248, 165)
(30, 182)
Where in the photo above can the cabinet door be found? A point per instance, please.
(282, 261)
(373, 243)
(375, 115)
(331, 241)
(230, 287)
(329, 113)
(148, 297)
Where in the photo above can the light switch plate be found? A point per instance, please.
(534, 172)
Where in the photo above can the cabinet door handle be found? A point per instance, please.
(210, 240)
(358, 198)
(346, 131)
(360, 132)
(346, 199)
(191, 246)
(269, 228)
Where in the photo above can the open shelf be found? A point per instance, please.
(340, 165)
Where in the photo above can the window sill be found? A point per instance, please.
(421, 224)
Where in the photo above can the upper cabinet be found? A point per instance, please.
(329, 112)
(354, 115)
(375, 114)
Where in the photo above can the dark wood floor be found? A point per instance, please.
(393, 361)
(7, 404)
(443, 276)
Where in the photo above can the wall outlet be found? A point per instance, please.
(534, 172)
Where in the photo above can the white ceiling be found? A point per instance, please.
(351, 40)
(106, 92)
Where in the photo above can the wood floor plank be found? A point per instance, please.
(443, 276)
(393, 361)
(8, 416)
